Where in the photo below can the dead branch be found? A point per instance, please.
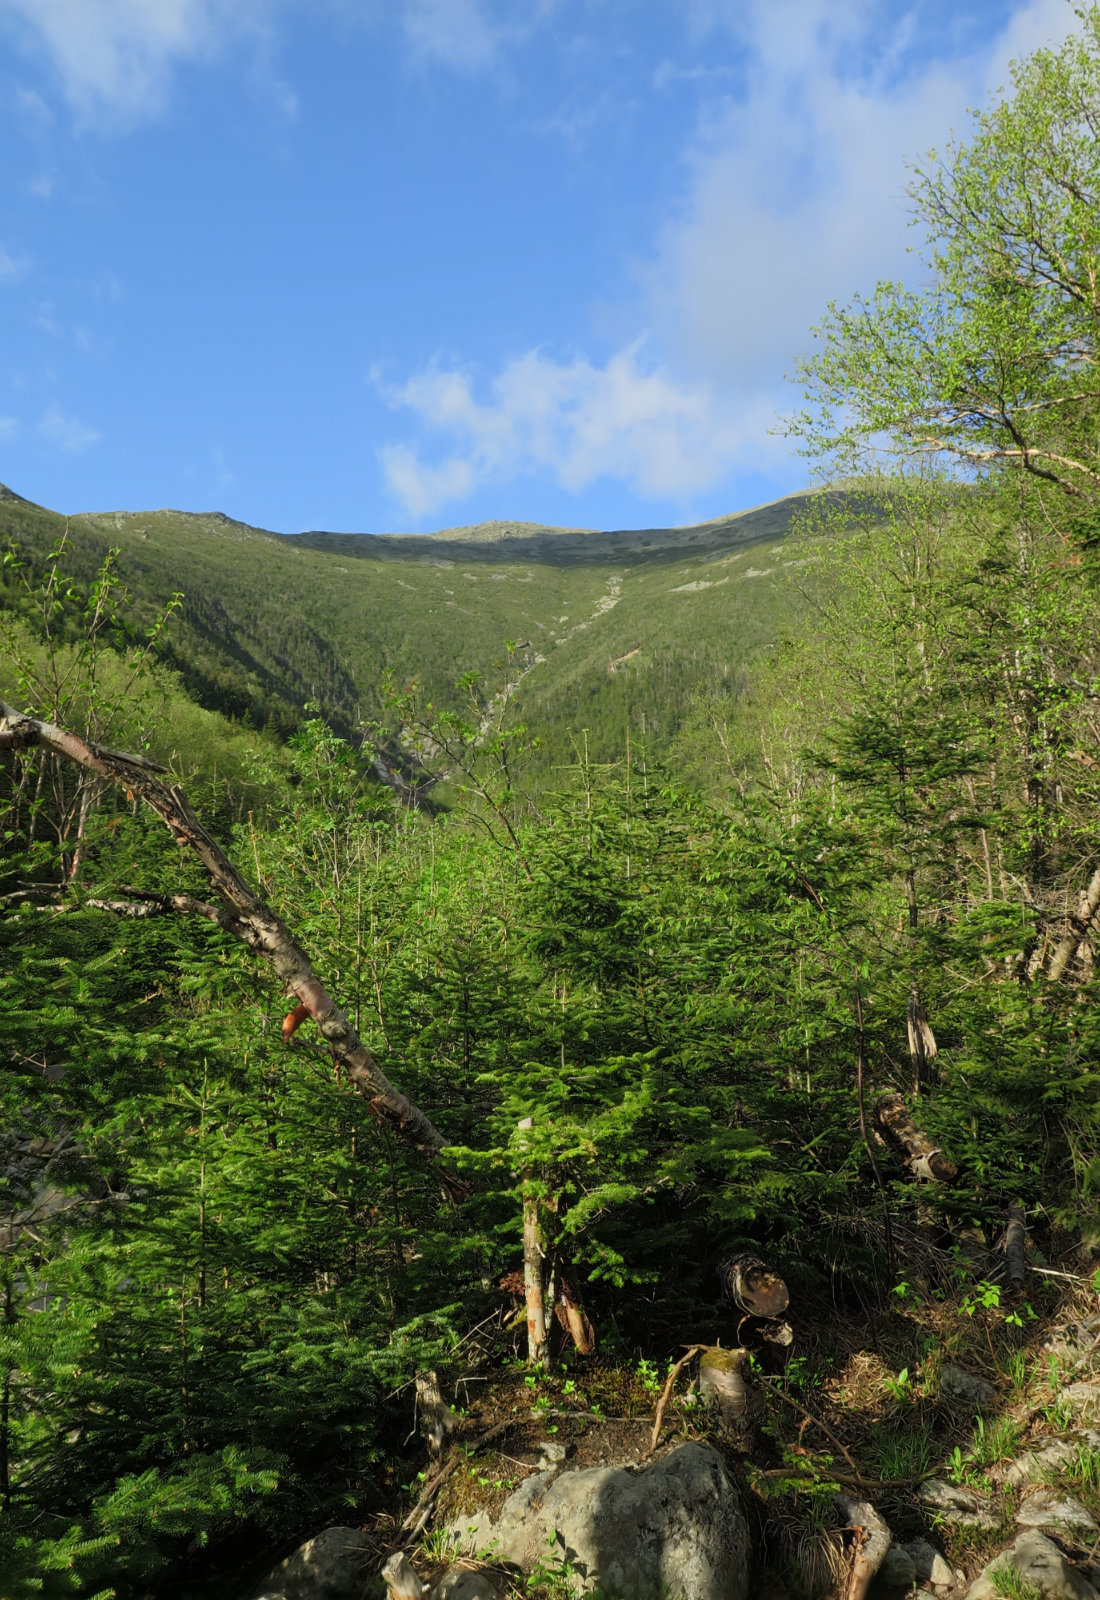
(439, 1478)
(814, 1421)
(245, 915)
(666, 1392)
(873, 1540)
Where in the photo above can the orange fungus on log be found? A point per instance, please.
(293, 1021)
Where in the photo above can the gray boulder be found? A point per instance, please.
(675, 1528)
(330, 1566)
(898, 1570)
(1083, 1397)
(929, 1565)
(963, 1388)
(1072, 1341)
(463, 1584)
(1038, 1464)
(956, 1504)
(1037, 1562)
(1049, 1508)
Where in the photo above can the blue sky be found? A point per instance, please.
(402, 264)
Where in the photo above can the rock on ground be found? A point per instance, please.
(1083, 1397)
(676, 1528)
(1038, 1562)
(1048, 1508)
(462, 1584)
(1036, 1464)
(964, 1388)
(930, 1566)
(330, 1566)
(955, 1504)
(898, 1570)
(1071, 1341)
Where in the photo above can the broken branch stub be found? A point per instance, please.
(246, 916)
(401, 1578)
(873, 1541)
(535, 1255)
(437, 1420)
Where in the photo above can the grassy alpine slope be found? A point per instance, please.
(621, 628)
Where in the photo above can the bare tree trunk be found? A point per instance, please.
(242, 913)
(923, 1048)
(534, 1263)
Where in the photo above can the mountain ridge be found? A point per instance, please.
(625, 626)
(503, 537)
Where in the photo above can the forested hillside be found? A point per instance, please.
(613, 630)
(812, 979)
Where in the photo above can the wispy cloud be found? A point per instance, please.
(574, 421)
(794, 189)
(8, 427)
(66, 432)
(793, 193)
(458, 33)
(11, 266)
(115, 57)
(471, 35)
(668, 73)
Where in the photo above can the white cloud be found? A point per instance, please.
(116, 56)
(8, 427)
(66, 432)
(576, 421)
(794, 190)
(793, 194)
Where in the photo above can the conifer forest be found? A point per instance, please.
(337, 1050)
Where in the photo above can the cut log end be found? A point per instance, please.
(754, 1287)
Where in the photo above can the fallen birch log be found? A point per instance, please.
(240, 912)
(911, 1144)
